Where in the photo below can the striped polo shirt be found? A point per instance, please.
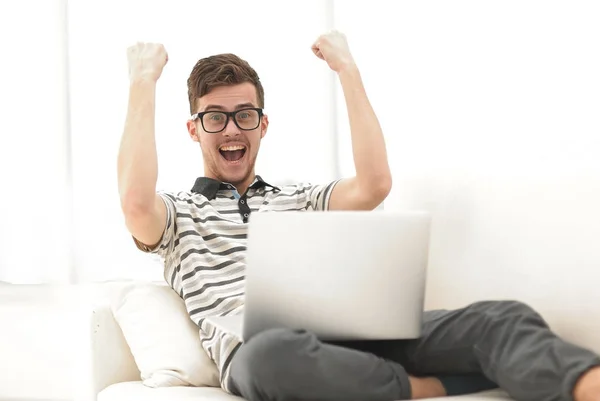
(204, 249)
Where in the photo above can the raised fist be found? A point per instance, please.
(146, 61)
(333, 48)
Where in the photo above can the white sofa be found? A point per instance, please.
(112, 374)
(63, 343)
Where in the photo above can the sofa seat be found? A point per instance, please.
(136, 391)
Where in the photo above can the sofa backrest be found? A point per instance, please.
(532, 239)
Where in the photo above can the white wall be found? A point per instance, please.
(35, 225)
(491, 115)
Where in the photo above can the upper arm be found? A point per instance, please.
(150, 227)
(349, 195)
(317, 197)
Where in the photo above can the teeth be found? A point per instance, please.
(232, 148)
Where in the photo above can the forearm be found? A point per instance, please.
(137, 160)
(368, 143)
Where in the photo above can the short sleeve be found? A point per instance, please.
(168, 235)
(318, 196)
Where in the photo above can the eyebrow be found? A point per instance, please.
(218, 107)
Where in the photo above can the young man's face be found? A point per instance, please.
(229, 155)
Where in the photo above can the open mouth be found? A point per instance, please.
(233, 153)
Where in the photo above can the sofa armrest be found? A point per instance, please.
(35, 342)
(103, 358)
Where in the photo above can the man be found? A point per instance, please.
(201, 234)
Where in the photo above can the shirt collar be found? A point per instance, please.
(209, 187)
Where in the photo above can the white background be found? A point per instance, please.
(490, 112)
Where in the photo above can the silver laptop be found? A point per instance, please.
(341, 275)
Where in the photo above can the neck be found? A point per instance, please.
(241, 186)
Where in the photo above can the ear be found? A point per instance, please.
(193, 131)
(264, 124)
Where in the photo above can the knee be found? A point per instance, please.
(516, 308)
(273, 349)
(262, 365)
(503, 312)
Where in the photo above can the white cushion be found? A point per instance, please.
(134, 391)
(163, 340)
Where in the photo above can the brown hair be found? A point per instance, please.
(220, 70)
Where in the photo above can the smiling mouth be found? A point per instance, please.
(233, 153)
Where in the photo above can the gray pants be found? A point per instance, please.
(487, 343)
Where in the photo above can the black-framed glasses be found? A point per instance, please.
(245, 119)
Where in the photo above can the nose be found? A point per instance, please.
(231, 129)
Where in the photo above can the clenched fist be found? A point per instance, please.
(146, 61)
(333, 48)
